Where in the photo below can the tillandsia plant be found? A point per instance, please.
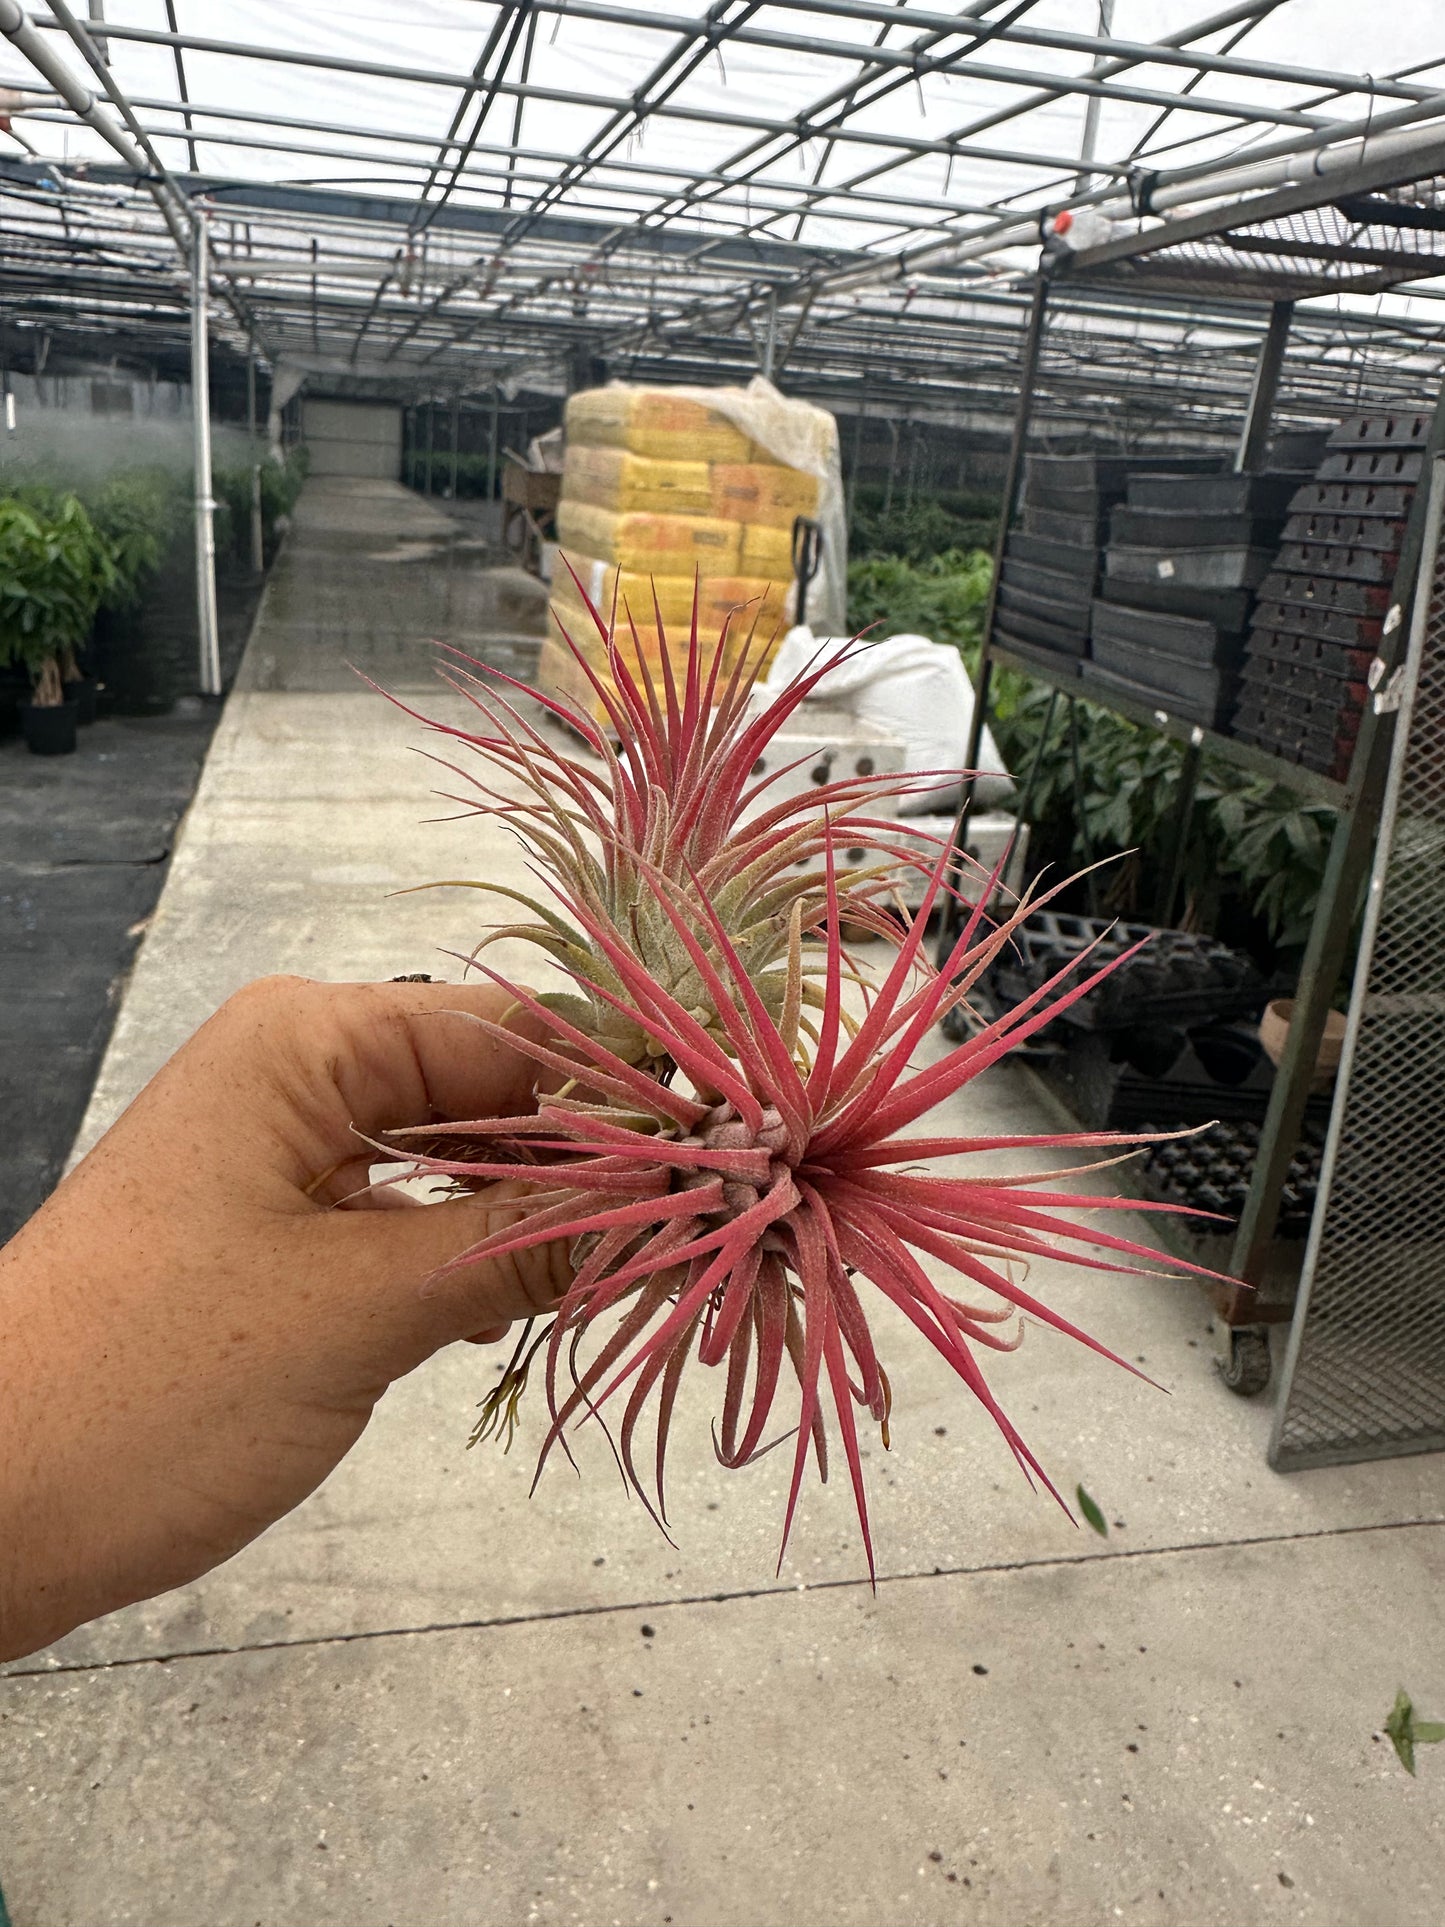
(724, 1103)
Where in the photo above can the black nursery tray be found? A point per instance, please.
(1177, 978)
(1076, 531)
(1238, 566)
(1014, 626)
(1318, 619)
(1269, 677)
(1268, 495)
(1339, 593)
(1108, 474)
(1311, 652)
(1353, 498)
(1161, 1076)
(1063, 620)
(1078, 561)
(1185, 637)
(1211, 1174)
(1338, 559)
(1410, 429)
(1169, 530)
(1187, 689)
(1059, 597)
(1345, 531)
(1227, 609)
(1372, 465)
(1327, 749)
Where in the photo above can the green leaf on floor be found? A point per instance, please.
(1091, 1512)
(1407, 1732)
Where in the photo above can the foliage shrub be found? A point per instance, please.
(54, 569)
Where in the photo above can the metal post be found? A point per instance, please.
(1084, 179)
(1173, 870)
(492, 445)
(431, 430)
(1012, 484)
(770, 339)
(1254, 436)
(258, 541)
(456, 433)
(207, 622)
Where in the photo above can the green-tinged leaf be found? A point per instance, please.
(1406, 1732)
(1092, 1515)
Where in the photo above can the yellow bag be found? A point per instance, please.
(655, 422)
(634, 592)
(651, 544)
(762, 492)
(611, 478)
(766, 552)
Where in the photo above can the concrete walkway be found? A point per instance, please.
(426, 1699)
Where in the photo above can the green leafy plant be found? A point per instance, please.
(139, 513)
(280, 485)
(921, 527)
(54, 569)
(943, 598)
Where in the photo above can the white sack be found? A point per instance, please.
(908, 688)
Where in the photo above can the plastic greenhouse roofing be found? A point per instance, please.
(442, 198)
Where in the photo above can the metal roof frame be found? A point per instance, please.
(886, 272)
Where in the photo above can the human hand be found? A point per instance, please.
(197, 1330)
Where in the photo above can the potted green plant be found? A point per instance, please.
(54, 568)
(142, 515)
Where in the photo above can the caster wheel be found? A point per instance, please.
(1246, 1368)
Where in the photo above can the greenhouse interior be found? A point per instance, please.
(788, 658)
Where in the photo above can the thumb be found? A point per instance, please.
(398, 1263)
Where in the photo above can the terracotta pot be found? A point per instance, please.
(1274, 1029)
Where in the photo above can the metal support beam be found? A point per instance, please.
(1254, 436)
(258, 541)
(1012, 485)
(1084, 179)
(206, 618)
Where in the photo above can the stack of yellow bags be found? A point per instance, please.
(662, 495)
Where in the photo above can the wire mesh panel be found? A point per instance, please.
(1365, 1376)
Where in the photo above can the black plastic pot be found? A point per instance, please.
(82, 691)
(49, 728)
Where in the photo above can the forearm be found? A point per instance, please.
(50, 1576)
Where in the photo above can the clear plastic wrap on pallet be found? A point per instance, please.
(768, 459)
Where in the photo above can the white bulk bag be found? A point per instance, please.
(908, 688)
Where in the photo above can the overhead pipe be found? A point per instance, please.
(17, 29)
(1192, 187)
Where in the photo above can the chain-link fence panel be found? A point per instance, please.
(1365, 1375)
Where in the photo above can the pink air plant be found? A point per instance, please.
(669, 799)
(734, 1178)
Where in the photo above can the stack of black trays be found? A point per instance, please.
(1321, 610)
(1051, 564)
(1186, 554)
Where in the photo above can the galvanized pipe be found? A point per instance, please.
(208, 625)
(17, 28)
